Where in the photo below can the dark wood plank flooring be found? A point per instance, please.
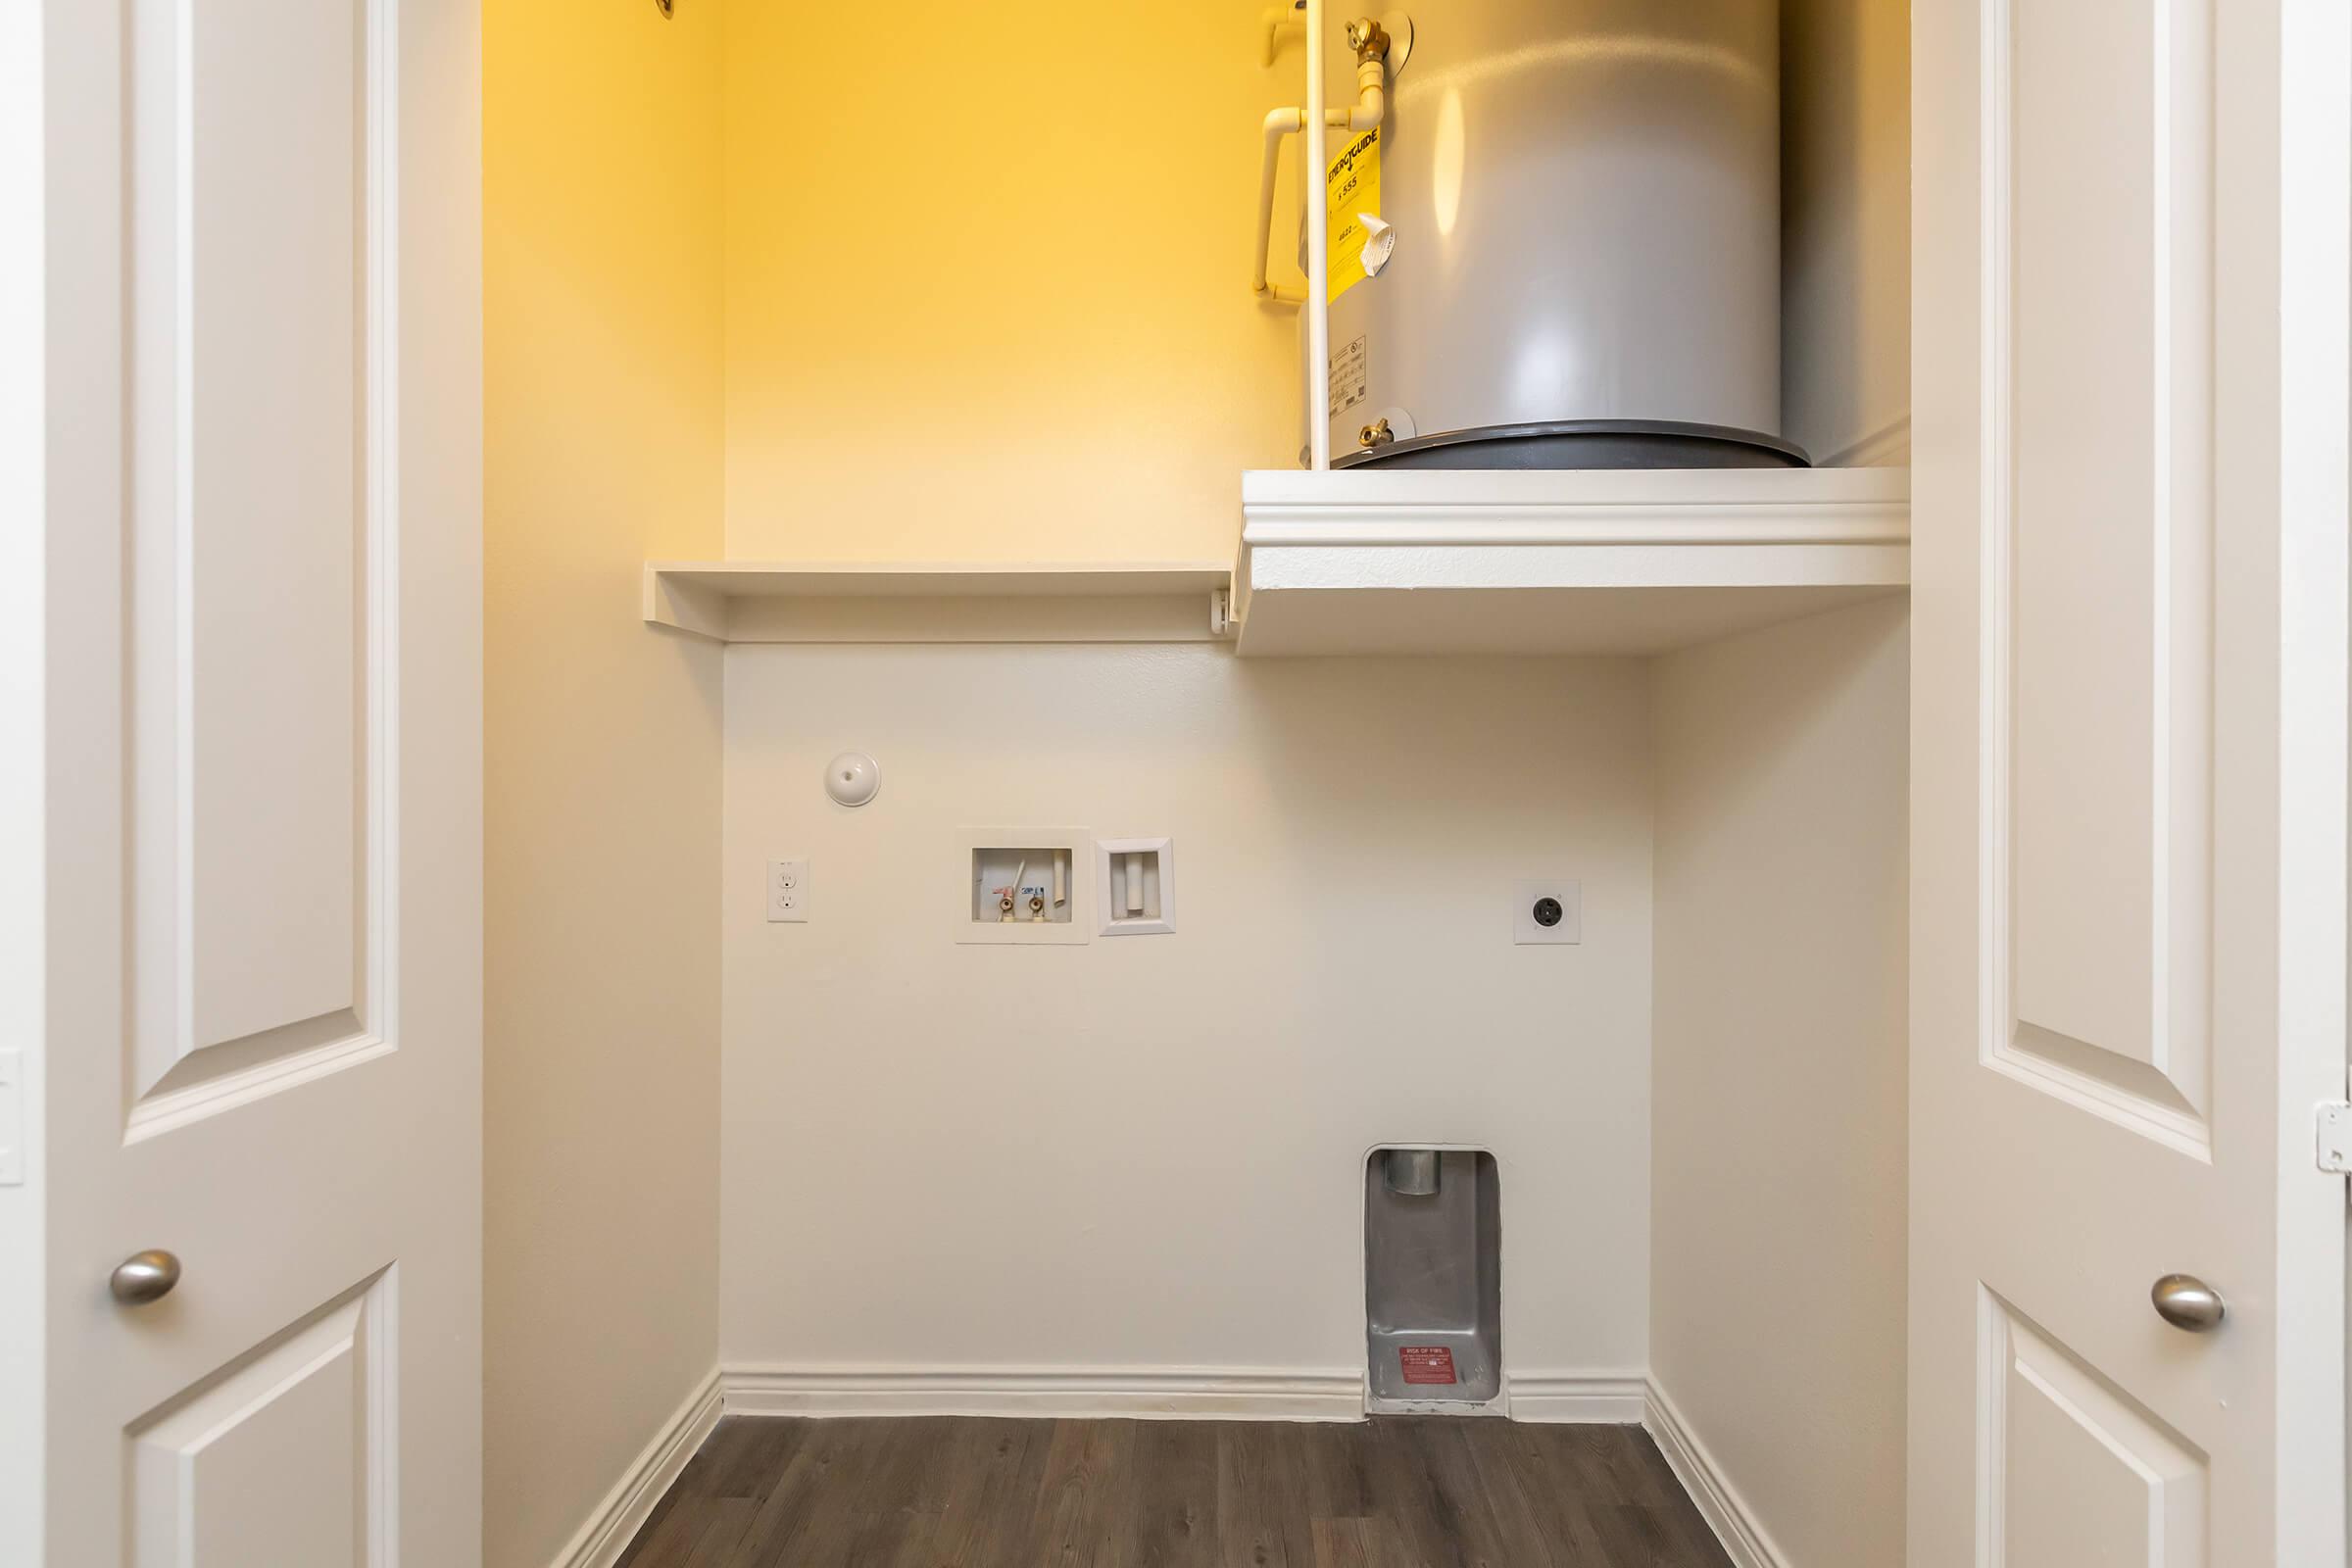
(957, 1491)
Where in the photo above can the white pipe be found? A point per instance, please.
(1318, 254)
(1371, 98)
(1279, 123)
(1276, 19)
(1135, 884)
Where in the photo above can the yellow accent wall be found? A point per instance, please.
(986, 280)
(603, 428)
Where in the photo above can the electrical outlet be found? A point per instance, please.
(1550, 911)
(787, 891)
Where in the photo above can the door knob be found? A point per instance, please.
(144, 1277)
(2187, 1303)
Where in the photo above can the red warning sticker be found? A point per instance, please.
(1426, 1363)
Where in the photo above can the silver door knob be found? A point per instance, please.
(2187, 1303)
(144, 1277)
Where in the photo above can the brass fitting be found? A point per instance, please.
(1368, 38)
(1375, 434)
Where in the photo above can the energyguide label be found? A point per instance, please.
(1350, 189)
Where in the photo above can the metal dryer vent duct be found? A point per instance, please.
(1412, 1173)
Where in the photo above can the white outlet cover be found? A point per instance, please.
(1571, 929)
(787, 892)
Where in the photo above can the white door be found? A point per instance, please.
(2129, 809)
(264, 779)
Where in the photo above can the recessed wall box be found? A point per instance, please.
(1433, 1283)
(1024, 886)
(1134, 885)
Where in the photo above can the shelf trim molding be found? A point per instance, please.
(1647, 508)
(1770, 524)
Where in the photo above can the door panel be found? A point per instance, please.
(263, 750)
(280, 1460)
(277, 294)
(256, 209)
(2129, 911)
(2076, 1470)
(2097, 675)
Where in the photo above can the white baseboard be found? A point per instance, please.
(1593, 1398)
(1234, 1394)
(617, 1519)
(1152, 1393)
(1742, 1537)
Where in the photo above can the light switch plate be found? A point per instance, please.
(1568, 930)
(787, 892)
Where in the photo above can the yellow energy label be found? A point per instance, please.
(1350, 189)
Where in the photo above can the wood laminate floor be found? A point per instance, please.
(957, 1491)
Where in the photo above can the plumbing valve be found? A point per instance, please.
(1368, 38)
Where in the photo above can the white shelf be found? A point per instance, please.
(1397, 563)
(753, 602)
(1558, 563)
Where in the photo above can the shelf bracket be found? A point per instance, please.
(1221, 619)
(697, 612)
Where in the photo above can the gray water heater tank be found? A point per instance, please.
(1585, 200)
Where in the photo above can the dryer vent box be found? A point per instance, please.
(1432, 1282)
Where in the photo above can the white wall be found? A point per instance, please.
(1147, 1152)
(602, 427)
(1778, 1299)
(1780, 1142)
(1845, 238)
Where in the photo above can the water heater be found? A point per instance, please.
(1560, 247)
